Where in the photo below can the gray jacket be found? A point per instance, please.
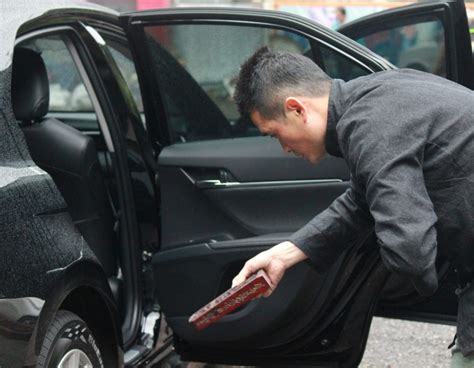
(408, 139)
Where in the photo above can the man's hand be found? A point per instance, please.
(275, 261)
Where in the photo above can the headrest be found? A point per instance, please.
(30, 86)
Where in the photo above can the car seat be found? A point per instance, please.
(68, 155)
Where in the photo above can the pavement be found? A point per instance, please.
(396, 343)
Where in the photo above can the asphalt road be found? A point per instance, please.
(395, 343)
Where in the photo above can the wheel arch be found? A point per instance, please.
(82, 288)
(90, 306)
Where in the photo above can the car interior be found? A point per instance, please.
(70, 157)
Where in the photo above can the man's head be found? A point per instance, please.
(341, 15)
(286, 96)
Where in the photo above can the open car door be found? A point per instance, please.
(432, 37)
(228, 193)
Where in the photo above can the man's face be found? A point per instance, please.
(298, 132)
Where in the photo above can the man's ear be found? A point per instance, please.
(295, 106)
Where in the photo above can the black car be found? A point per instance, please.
(132, 191)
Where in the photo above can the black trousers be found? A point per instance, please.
(465, 319)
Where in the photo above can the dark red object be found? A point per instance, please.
(254, 286)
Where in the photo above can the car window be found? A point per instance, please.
(418, 46)
(196, 68)
(68, 97)
(67, 91)
(122, 56)
(338, 66)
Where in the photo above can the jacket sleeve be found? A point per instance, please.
(342, 224)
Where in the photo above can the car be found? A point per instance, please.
(134, 192)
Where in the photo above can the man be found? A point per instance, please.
(340, 17)
(408, 140)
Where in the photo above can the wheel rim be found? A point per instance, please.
(75, 359)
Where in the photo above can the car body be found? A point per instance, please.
(180, 190)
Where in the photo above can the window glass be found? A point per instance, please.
(418, 46)
(196, 68)
(122, 56)
(66, 89)
(338, 66)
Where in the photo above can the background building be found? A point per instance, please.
(327, 12)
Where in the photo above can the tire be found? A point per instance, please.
(68, 340)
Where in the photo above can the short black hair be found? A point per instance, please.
(268, 77)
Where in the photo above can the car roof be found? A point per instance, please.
(13, 15)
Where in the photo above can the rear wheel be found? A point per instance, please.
(69, 344)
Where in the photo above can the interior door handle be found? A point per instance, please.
(218, 183)
(209, 184)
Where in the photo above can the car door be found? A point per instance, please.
(227, 193)
(432, 37)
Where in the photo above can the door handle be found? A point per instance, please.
(214, 184)
(217, 183)
(210, 184)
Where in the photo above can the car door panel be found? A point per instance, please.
(302, 289)
(283, 208)
(211, 267)
(225, 200)
(230, 213)
(287, 191)
(239, 156)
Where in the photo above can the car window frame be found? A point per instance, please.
(120, 38)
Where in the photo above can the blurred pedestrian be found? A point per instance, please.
(340, 17)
